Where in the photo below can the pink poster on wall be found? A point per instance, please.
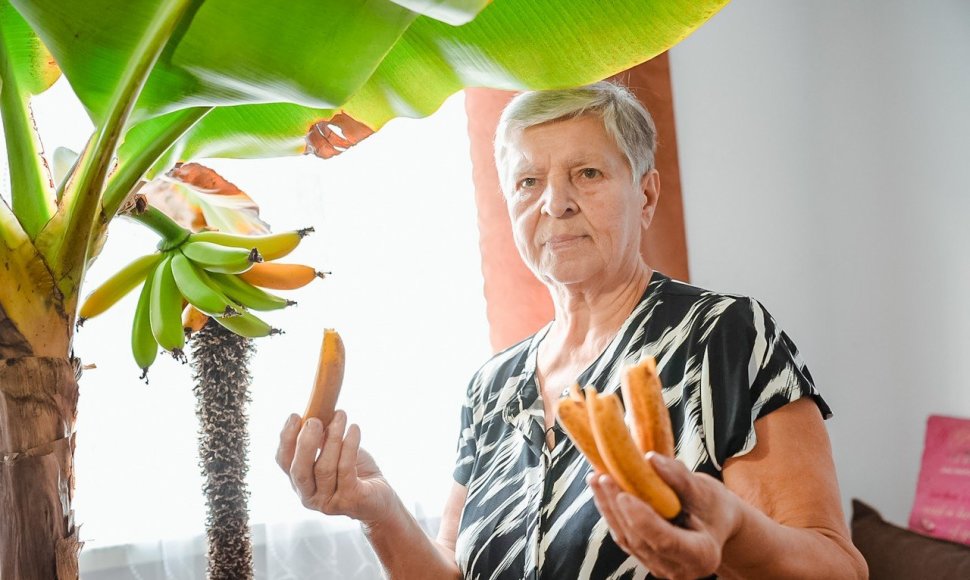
(942, 505)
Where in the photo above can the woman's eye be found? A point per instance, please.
(590, 173)
(528, 182)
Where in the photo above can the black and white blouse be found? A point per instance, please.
(529, 513)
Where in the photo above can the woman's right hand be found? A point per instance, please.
(343, 479)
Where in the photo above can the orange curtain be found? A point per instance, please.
(517, 303)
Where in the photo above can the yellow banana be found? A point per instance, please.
(166, 309)
(117, 286)
(277, 276)
(329, 378)
(218, 258)
(199, 289)
(626, 464)
(143, 345)
(270, 246)
(193, 320)
(650, 419)
(574, 417)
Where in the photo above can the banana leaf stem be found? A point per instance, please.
(172, 233)
(30, 182)
(160, 138)
(69, 251)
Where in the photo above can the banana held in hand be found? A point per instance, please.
(248, 325)
(329, 378)
(279, 276)
(143, 345)
(166, 309)
(248, 295)
(218, 258)
(270, 246)
(626, 464)
(650, 419)
(117, 286)
(574, 417)
(197, 287)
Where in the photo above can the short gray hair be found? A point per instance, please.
(626, 120)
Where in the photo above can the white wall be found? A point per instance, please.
(824, 154)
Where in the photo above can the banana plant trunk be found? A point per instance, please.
(220, 361)
(38, 408)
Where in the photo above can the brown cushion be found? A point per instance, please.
(895, 553)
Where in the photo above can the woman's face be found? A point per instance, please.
(577, 217)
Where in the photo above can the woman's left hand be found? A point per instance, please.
(666, 550)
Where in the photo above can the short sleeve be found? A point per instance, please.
(751, 367)
(467, 447)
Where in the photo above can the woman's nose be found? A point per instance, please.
(559, 199)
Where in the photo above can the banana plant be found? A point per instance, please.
(166, 81)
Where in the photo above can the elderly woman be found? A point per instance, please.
(753, 464)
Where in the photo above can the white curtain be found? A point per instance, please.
(290, 551)
(395, 223)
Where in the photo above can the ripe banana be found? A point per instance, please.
(117, 286)
(643, 396)
(626, 464)
(217, 258)
(248, 295)
(143, 345)
(198, 288)
(279, 276)
(248, 325)
(270, 246)
(574, 417)
(166, 309)
(329, 378)
(193, 320)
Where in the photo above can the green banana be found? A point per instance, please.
(197, 287)
(143, 345)
(270, 246)
(117, 286)
(166, 309)
(248, 325)
(218, 258)
(248, 295)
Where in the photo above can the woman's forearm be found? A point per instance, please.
(406, 552)
(764, 548)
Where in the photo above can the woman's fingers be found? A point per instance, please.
(347, 466)
(649, 532)
(325, 467)
(676, 474)
(301, 468)
(604, 490)
(284, 453)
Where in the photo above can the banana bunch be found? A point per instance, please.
(211, 274)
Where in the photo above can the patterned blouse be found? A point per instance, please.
(529, 513)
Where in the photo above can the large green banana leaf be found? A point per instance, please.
(272, 70)
(26, 69)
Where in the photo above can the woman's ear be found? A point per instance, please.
(650, 189)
